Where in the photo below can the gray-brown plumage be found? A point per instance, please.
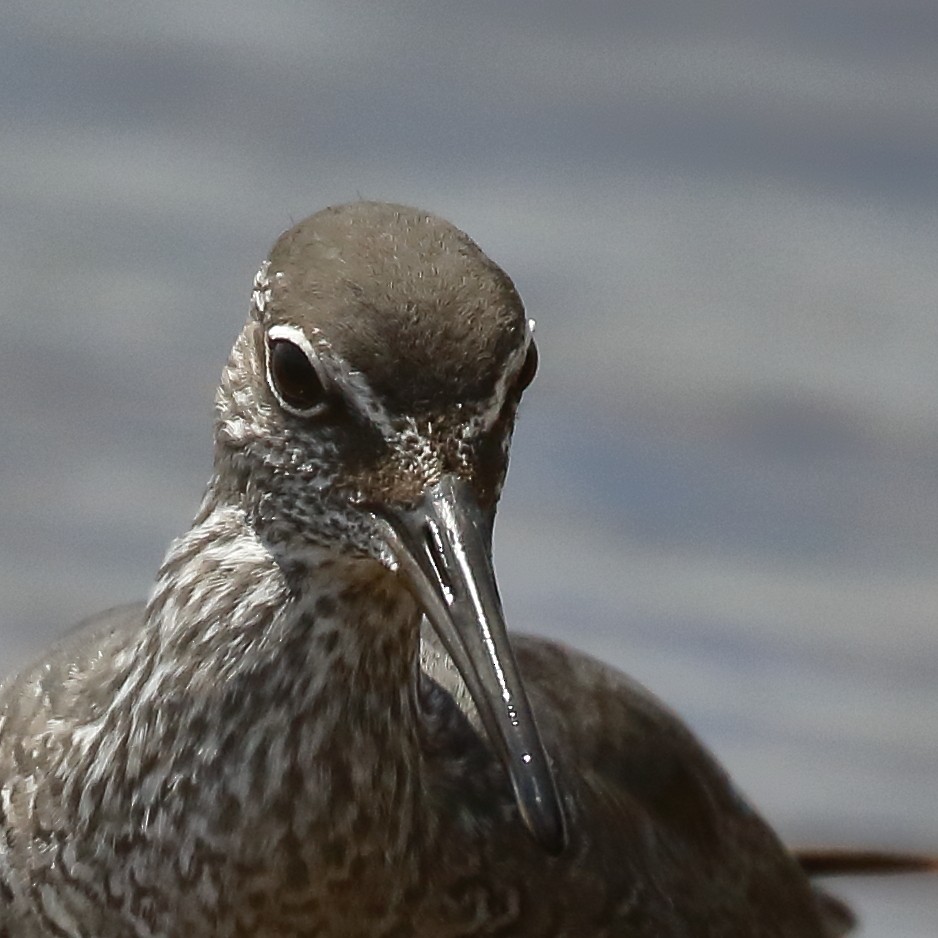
(274, 746)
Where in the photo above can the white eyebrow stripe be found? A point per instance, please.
(357, 391)
(487, 417)
(337, 372)
(297, 337)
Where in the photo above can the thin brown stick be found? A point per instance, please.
(844, 861)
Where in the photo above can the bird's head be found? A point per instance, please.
(367, 410)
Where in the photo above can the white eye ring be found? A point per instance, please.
(301, 394)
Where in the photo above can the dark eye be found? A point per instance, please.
(292, 376)
(528, 369)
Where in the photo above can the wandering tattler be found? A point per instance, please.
(317, 726)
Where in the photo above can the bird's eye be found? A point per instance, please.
(528, 368)
(293, 378)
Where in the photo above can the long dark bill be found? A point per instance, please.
(443, 546)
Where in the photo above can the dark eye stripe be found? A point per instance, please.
(293, 376)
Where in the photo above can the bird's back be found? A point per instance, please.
(658, 835)
(660, 805)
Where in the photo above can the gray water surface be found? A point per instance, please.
(723, 219)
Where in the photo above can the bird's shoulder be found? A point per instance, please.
(610, 723)
(75, 676)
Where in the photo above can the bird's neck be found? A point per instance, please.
(284, 689)
(263, 738)
(244, 622)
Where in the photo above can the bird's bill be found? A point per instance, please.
(443, 547)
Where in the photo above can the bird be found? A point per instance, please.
(318, 724)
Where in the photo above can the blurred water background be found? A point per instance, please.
(723, 218)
